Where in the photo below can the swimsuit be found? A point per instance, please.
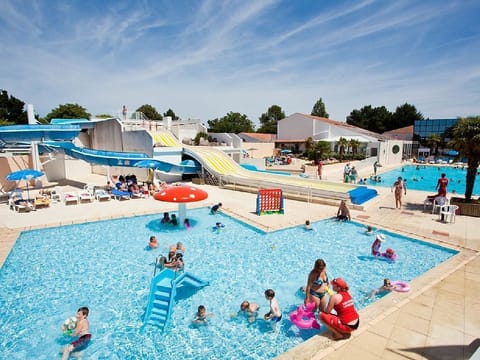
(319, 282)
(81, 341)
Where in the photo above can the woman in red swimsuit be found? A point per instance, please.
(346, 320)
(442, 185)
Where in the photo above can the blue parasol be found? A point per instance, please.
(26, 174)
(452, 153)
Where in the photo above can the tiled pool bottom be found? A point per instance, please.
(43, 283)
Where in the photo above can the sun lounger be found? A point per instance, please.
(70, 198)
(101, 195)
(85, 196)
(41, 201)
(121, 195)
(18, 204)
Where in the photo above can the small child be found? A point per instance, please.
(81, 330)
(166, 218)
(369, 230)
(180, 248)
(186, 224)
(215, 208)
(386, 287)
(201, 315)
(250, 310)
(307, 225)
(173, 220)
(153, 242)
(275, 314)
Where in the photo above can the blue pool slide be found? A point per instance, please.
(163, 289)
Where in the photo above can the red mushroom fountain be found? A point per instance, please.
(181, 194)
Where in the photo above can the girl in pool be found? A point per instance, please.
(166, 218)
(317, 286)
(186, 224)
(386, 287)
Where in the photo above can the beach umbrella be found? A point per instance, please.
(181, 194)
(286, 151)
(26, 174)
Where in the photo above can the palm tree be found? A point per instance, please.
(466, 140)
(354, 144)
(342, 144)
(433, 140)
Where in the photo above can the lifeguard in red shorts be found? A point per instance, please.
(347, 319)
(442, 185)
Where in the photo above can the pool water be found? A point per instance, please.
(104, 265)
(426, 176)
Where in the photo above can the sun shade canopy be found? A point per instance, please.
(181, 194)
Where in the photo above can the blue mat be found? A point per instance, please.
(362, 194)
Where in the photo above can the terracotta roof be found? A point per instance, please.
(404, 133)
(259, 137)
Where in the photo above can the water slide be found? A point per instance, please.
(59, 136)
(163, 289)
(221, 165)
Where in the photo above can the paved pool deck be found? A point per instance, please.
(438, 319)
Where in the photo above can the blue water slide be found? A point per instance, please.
(163, 289)
(22, 133)
(117, 158)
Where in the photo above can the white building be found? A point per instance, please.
(293, 131)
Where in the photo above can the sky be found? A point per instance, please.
(203, 59)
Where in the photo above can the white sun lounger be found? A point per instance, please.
(101, 195)
(70, 198)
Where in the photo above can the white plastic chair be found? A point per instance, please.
(448, 210)
(438, 202)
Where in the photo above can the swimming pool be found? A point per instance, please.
(103, 265)
(425, 178)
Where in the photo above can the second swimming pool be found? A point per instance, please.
(425, 177)
(103, 265)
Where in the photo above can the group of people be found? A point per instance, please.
(172, 220)
(350, 174)
(124, 183)
(174, 259)
(345, 319)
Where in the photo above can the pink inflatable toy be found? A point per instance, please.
(304, 318)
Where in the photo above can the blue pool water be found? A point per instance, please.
(103, 265)
(427, 176)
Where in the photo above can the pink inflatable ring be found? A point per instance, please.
(304, 318)
(400, 286)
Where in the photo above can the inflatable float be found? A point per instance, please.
(400, 286)
(304, 318)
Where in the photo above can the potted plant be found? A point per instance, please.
(466, 140)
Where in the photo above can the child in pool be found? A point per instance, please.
(369, 230)
(275, 314)
(153, 242)
(250, 310)
(186, 224)
(201, 315)
(81, 330)
(386, 287)
(307, 225)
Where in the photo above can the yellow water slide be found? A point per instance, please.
(220, 164)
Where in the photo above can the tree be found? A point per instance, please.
(270, 119)
(170, 113)
(68, 111)
(12, 110)
(466, 140)
(231, 123)
(433, 140)
(404, 115)
(319, 109)
(354, 145)
(104, 116)
(342, 144)
(150, 112)
(373, 119)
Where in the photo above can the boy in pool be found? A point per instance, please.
(215, 208)
(81, 331)
(201, 315)
(250, 310)
(386, 287)
(307, 225)
(275, 314)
